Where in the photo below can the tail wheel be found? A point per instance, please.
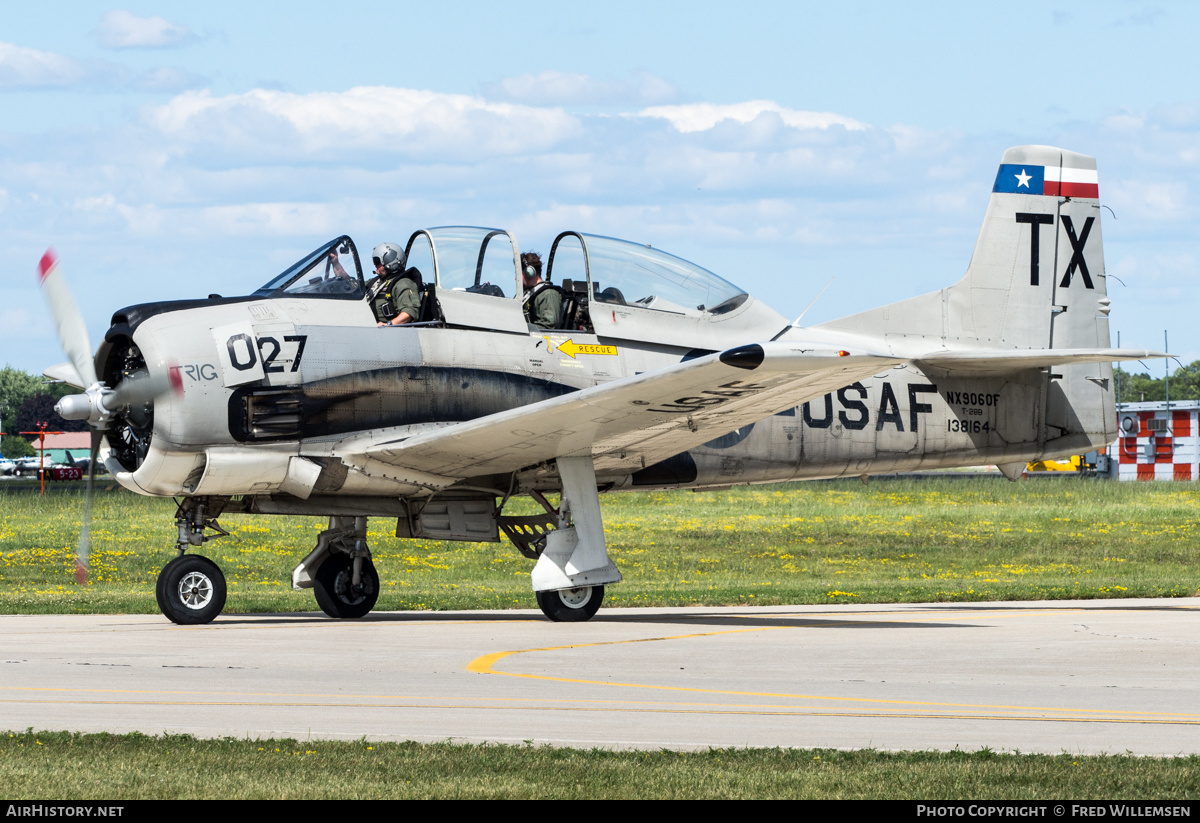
(335, 590)
(190, 590)
(571, 605)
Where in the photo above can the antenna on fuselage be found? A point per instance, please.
(796, 323)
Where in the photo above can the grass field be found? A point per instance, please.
(839, 542)
(66, 766)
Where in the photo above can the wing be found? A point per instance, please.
(623, 425)
(628, 424)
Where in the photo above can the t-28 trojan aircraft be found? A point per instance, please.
(657, 375)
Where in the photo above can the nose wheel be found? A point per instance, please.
(571, 605)
(190, 590)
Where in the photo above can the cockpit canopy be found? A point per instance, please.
(487, 261)
(470, 278)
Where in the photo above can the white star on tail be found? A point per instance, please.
(1023, 179)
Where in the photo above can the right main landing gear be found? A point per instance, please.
(338, 594)
(339, 570)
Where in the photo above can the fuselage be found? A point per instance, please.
(289, 374)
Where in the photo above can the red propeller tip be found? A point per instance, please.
(46, 264)
(176, 378)
(80, 572)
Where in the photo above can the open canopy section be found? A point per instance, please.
(633, 274)
(331, 270)
(467, 258)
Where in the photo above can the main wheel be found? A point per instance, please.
(190, 590)
(571, 605)
(335, 590)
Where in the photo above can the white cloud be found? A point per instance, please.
(24, 68)
(692, 117)
(564, 89)
(120, 29)
(378, 119)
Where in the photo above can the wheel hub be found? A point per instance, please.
(195, 590)
(576, 598)
(347, 591)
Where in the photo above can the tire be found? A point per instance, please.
(190, 590)
(334, 591)
(571, 605)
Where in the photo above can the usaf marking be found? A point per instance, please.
(712, 397)
(855, 416)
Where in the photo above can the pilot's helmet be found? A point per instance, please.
(388, 255)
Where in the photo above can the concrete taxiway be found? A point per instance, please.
(1076, 676)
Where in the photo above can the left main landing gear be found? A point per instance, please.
(571, 605)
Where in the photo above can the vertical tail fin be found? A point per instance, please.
(1036, 278)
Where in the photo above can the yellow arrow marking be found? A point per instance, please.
(570, 349)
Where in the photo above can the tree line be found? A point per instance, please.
(1184, 384)
(25, 401)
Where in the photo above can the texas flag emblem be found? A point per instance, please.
(1047, 180)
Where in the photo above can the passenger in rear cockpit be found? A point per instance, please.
(396, 293)
(543, 301)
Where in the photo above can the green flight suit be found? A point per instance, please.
(543, 306)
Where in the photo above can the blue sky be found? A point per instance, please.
(170, 150)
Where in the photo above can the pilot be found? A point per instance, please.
(395, 294)
(543, 301)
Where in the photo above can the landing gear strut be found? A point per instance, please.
(574, 567)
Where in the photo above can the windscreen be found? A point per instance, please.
(332, 270)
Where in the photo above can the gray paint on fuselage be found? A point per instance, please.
(403, 395)
(880, 425)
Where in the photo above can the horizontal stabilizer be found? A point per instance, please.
(991, 363)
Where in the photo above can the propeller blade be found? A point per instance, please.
(85, 527)
(64, 373)
(72, 331)
(142, 388)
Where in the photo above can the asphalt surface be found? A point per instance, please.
(1107, 676)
